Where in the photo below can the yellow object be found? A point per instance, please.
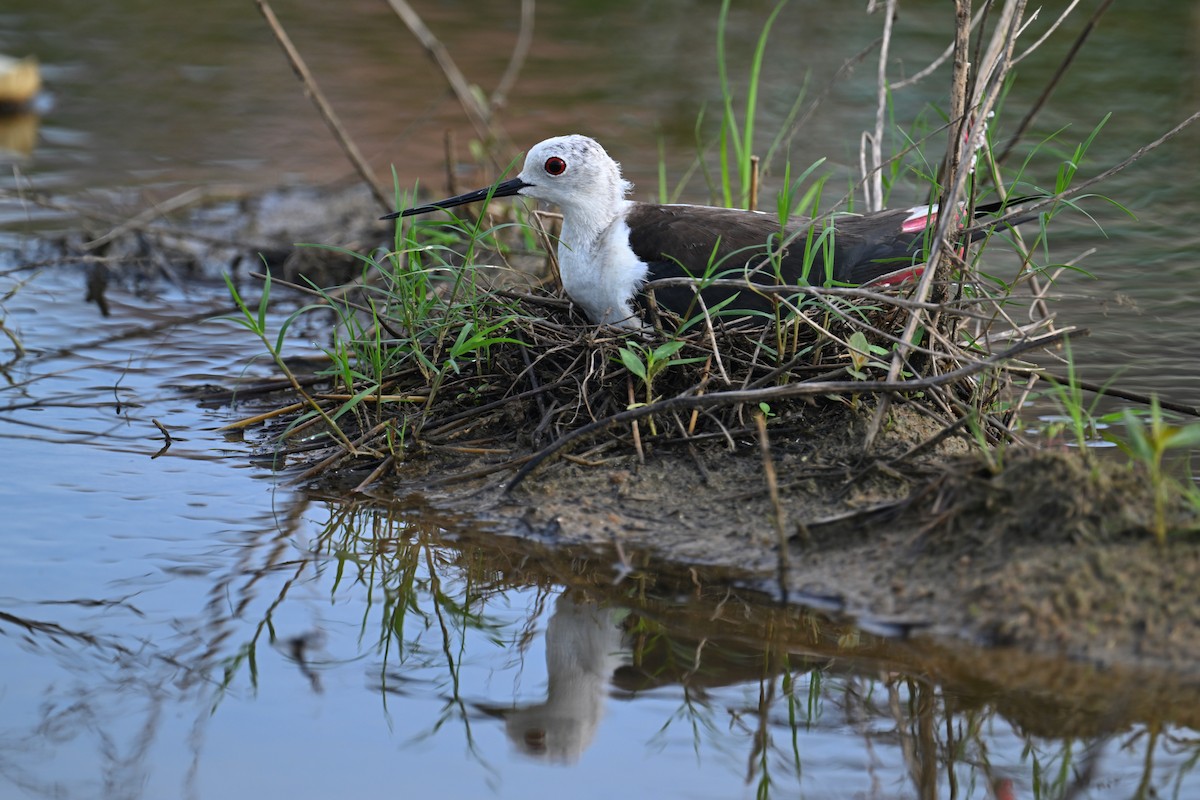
(20, 80)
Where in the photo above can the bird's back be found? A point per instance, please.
(708, 242)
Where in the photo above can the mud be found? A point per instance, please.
(1049, 553)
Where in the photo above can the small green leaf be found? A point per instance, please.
(632, 362)
(665, 351)
(1139, 439)
(860, 350)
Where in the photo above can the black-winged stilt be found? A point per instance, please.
(610, 246)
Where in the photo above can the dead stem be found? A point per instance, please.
(1100, 389)
(1040, 103)
(480, 116)
(1050, 200)
(843, 71)
(326, 110)
(971, 105)
(922, 74)
(778, 515)
(260, 418)
(167, 438)
(517, 60)
(348, 450)
(635, 430)
(874, 200)
(754, 178)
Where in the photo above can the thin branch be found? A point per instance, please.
(477, 112)
(1049, 32)
(983, 97)
(1024, 210)
(1058, 74)
(933, 65)
(323, 106)
(517, 60)
(1124, 394)
(875, 195)
(845, 69)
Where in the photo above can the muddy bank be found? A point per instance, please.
(1049, 554)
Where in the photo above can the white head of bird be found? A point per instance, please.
(575, 173)
(599, 270)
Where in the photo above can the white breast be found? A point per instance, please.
(601, 273)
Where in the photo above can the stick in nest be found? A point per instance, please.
(689, 400)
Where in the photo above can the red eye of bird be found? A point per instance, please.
(555, 166)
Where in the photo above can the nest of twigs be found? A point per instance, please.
(553, 383)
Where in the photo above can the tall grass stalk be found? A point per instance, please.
(741, 142)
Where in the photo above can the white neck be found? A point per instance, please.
(599, 270)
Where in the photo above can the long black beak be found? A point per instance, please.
(505, 189)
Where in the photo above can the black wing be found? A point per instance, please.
(707, 242)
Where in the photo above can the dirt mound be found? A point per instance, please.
(1039, 496)
(1053, 553)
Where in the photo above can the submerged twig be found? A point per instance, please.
(167, 438)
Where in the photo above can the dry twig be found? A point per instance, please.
(327, 113)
